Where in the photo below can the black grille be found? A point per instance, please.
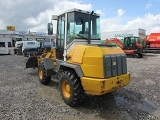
(115, 65)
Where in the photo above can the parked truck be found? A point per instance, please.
(30, 47)
(17, 45)
(152, 43)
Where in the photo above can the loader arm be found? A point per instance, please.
(33, 61)
(116, 41)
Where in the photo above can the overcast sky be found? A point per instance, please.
(116, 15)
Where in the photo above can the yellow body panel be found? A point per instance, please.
(91, 61)
(77, 54)
(48, 54)
(95, 86)
(90, 58)
(112, 50)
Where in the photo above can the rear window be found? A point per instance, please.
(46, 43)
(31, 43)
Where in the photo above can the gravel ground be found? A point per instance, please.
(23, 97)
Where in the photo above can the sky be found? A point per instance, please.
(33, 15)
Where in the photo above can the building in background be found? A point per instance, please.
(141, 33)
(8, 38)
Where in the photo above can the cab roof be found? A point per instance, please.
(79, 10)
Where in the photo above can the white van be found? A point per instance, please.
(29, 46)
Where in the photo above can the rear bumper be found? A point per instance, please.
(95, 86)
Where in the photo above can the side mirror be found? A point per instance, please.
(50, 29)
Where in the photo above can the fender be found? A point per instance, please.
(77, 68)
(49, 66)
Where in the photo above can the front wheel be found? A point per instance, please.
(43, 78)
(71, 89)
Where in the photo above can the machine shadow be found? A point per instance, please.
(151, 55)
(113, 106)
(33, 74)
(4, 54)
(31, 71)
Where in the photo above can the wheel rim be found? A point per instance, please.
(40, 73)
(66, 89)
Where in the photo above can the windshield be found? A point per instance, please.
(78, 26)
(17, 39)
(130, 40)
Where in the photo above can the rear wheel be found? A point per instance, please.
(135, 55)
(140, 55)
(71, 89)
(43, 78)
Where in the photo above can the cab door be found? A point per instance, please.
(60, 41)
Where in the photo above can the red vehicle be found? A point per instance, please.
(115, 41)
(131, 46)
(152, 43)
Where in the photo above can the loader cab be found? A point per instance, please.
(131, 43)
(76, 27)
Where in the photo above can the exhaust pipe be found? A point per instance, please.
(89, 25)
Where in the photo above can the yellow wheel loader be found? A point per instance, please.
(79, 62)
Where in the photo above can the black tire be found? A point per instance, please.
(24, 54)
(43, 78)
(140, 55)
(75, 94)
(135, 56)
(15, 51)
